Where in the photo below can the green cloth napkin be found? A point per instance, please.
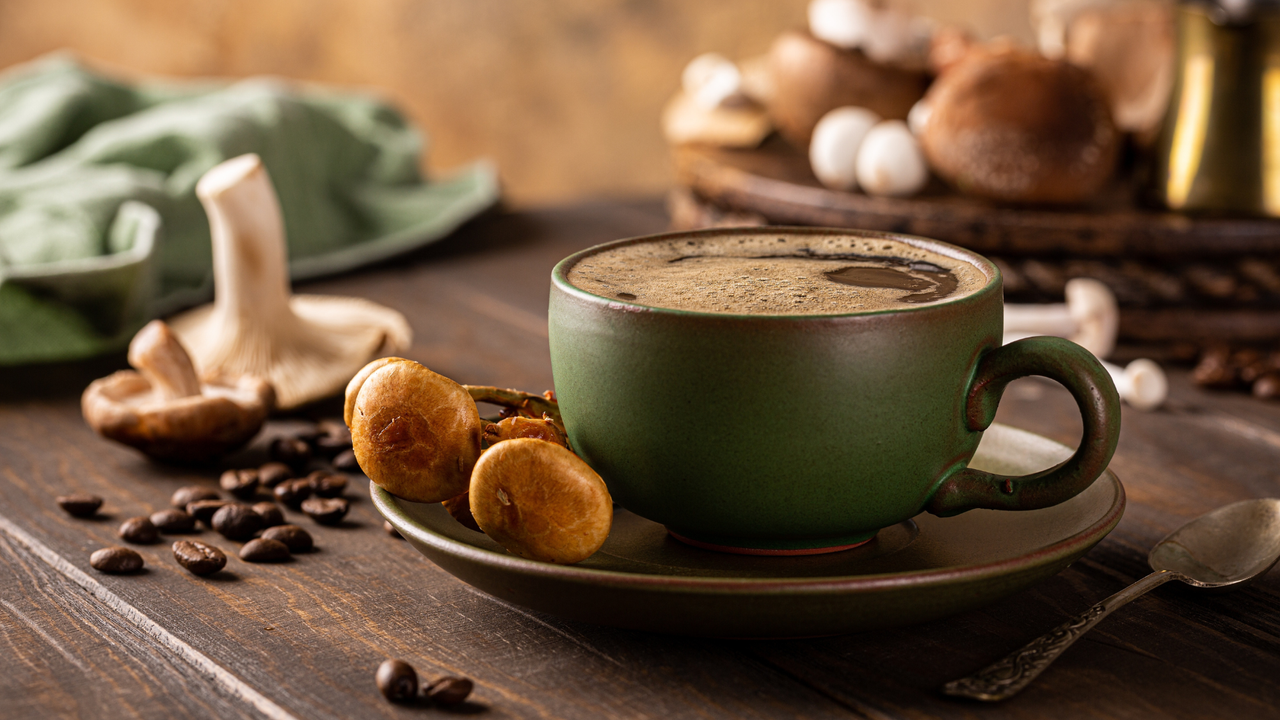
(100, 228)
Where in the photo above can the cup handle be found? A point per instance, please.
(1095, 394)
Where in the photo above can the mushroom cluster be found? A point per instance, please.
(419, 436)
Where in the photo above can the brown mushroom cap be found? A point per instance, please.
(125, 407)
(1012, 125)
(416, 434)
(540, 501)
(812, 77)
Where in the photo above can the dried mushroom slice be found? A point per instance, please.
(540, 501)
(416, 434)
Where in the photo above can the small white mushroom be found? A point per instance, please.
(1141, 383)
(885, 34)
(306, 346)
(833, 152)
(1089, 317)
(918, 117)
(890, 161)
(712, 80)
(843, 23)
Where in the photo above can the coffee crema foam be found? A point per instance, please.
(776, 274)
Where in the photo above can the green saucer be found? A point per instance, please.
(918, 570)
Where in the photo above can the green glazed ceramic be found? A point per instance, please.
(797, 434)
(913, 571)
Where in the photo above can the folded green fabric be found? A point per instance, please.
(100, 229)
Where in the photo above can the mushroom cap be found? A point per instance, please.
(227, 414)
(1093, 307)
(353, 387)
(416, 434)
(540, 501)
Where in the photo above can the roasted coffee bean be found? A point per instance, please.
(1267, 387)
(79, 504)
(237, 522)
(326, 511)
(203, 510)
(290, 451)
(397, 680)
(332, 437)
(139, 530)
(449, 690)
(184, 496)
(199, 558)
(391, 530)
(346, 460)
(116, 560)
(327, 485)
(241, 483)
(174, 521)
(264, 550)
(293, 492)
(274, 473)
(294, 537)
(271, 513)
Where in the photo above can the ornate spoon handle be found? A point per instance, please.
(1007, 677)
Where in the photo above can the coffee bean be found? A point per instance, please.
(326, 511)
(1267, 386)
(270, 513)
(293, 492)
(203, 510)
(327, 485)
(173, 521)
(184, 496)
(294, 537)
(274, 473)
(199, 558)
(139, 530)
(237, 522)
(290, 451)
(346, 460)
(116, 560)
(241, 483)
(79, 505)
(264, 550)
(391, 530)
(332, 438)
(397, 681)
(449, 690)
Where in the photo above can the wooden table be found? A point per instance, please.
(303, 639)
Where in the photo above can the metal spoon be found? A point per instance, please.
(1221, 549)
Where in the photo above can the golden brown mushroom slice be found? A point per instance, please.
(540, 501)
(415, 433)
(307, 346)
(166, 411)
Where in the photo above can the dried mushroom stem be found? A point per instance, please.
(528, 404)
(156, 353)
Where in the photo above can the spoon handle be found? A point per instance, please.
(1007, 677)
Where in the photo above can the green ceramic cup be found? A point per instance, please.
(775, 434)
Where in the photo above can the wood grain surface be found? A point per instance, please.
(303, 639)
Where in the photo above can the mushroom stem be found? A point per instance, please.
(1141, 383)
(1089, 317)
(534, 405)
(156, 353)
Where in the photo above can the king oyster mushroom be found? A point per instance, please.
(307, 346)
(166, 411)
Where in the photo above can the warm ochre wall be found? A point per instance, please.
(563, 94)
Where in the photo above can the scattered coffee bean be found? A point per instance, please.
(264, 550)
(346, 460)
(203, 510)
(199, 558)
(174, 521)
(116, 560)
(236, 522)
(271, 513)
(391, 530)
(139, 530)
(293, 492)
(326, 484)
(290, 451)
(449, 690)
(326, 511)
(79, 504)
(274, 473)
(184, 496)
(1267, 386)
(397, 680)
(332, 437)
(241, 483)
(294, 537)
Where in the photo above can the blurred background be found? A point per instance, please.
(564, 95)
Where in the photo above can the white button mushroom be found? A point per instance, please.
(890, 162)
(833, 152)
(712, 80)
(843, 23)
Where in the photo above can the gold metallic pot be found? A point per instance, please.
(1219, 148)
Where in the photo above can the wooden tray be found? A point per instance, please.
(775, 182)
